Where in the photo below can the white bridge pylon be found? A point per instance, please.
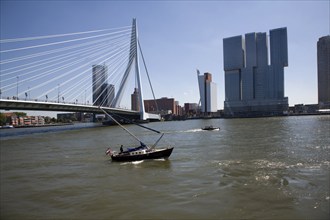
(134, 59)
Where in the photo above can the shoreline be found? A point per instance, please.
(45, 125)
(192, 118)
(38, 126)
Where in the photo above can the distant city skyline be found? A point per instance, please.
(178, 37)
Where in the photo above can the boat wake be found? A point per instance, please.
(193, 130)
(133, 162)
(137, 162)
(141, 161)
(161, 159)
(185, 131)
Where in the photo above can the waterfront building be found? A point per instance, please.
(305, 109)
(161, 106)
(190, 108)
(252, 86)
(179, 108)
(27, 120)
(69, 117)
(101, 89)
(208, 93)
(323, 71)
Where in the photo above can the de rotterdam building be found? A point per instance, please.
(254, 81)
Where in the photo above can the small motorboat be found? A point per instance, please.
(210, 128)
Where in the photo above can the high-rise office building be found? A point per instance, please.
(252, 86)
(208, 93)
(101, 90)
(323, 71)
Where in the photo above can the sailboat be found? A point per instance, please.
(141, 152)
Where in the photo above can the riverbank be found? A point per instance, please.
(44, 125)
(35, 126)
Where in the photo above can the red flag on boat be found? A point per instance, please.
(108, 151)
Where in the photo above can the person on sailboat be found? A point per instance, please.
(121, 149)
(143, 144)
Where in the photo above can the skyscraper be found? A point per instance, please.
(208, 93)
(323, 71)
(252, 86)
(100, 85)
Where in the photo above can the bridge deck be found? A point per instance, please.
(6, 104)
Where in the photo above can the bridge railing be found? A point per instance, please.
(45, 100)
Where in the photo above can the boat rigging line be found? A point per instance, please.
(112, 118)
(132, 122)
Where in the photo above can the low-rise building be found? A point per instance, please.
(160, 105)
(27, 120)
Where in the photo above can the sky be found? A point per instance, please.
(179, 37)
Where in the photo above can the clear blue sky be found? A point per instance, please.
(179, 36)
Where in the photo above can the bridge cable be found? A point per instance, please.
(11, 40)
(54, 43)
(145, 66)
(41, 75)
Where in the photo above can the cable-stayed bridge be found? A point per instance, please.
(74, 72)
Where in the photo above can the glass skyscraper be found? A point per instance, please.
(103, 93)
(254, 87)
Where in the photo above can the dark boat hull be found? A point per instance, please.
(210, 129)
(158, 154)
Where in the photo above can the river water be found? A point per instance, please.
(265, 168)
